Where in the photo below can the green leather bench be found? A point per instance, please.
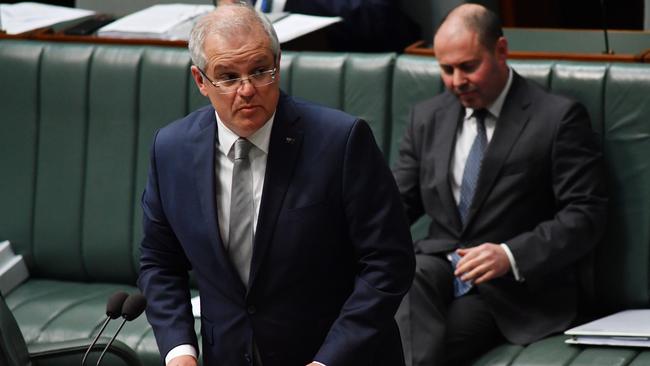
(77, 120)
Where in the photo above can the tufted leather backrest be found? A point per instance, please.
(77, 124)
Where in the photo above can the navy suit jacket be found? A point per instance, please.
(540, 190)
(332, 253)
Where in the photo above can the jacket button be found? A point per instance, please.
(247, 357)
(251, 309)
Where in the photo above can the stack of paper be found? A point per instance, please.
(296, 25)
(164, 21)
(13, 270)
(24, 17)
(625, 328)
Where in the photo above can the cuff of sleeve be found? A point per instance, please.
(513, 263)
(321, 364)
(182, 350)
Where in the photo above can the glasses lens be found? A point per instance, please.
(263, 78)
(258, 79)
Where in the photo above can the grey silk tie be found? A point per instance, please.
(240, 242)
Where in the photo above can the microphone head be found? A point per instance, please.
(114, 304)
(133, 306)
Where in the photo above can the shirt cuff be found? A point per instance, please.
(513, 263)
(321, 364)
(182, 350)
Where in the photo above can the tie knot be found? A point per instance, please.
(242, 148)
(480, 114)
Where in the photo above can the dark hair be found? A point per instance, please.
(483, 21)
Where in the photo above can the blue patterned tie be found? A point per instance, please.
(472, 166)
(467, 189)
(460, 287)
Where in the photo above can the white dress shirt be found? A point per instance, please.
(465, 138)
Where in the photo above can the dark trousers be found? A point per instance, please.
(438, 329)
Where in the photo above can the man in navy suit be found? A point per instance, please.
(331, 256)
(512, 179)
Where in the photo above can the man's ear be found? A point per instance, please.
(277, 63)
(501, 49)
(199, 80)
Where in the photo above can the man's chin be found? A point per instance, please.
(470, 102)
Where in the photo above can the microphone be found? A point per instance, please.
(113, 311)
(132, 308)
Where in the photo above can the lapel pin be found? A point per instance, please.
(289, 140)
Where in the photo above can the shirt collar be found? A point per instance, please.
(261, 138)
(497, 105)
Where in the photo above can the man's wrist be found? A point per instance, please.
(181, 350)
(513, 263)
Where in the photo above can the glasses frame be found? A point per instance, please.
(217, 84)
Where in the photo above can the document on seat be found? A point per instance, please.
(296, 25)
(27, 16)
(13, 270)
(625, 328)
(163, 21)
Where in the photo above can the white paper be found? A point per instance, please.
(627, 323)
(296, 25)
(13, 270)
(163, 21)
(23, 17)
(625, 328)
(610, 341)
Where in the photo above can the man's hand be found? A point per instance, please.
(183, 361)
(482, 263)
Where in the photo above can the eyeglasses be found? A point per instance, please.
(257, 79)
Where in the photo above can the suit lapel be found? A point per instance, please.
(284, 147)
(443, 146)
(513, 118)
(203, 165)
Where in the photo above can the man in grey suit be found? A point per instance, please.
(512, 179)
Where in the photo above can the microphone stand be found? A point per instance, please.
(110, 342)
(603, 12)
(83, 361)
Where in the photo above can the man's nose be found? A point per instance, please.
(458, 78)
(246, 88)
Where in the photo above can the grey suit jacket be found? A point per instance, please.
(540, 190)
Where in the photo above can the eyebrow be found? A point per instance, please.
(227, 66)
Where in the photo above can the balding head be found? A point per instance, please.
(230, 21)
(472, 18)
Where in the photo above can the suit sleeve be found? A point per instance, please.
(577, 176)
(407, 172)
(381, 241)
(164, 271)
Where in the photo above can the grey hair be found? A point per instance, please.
(240, 19)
